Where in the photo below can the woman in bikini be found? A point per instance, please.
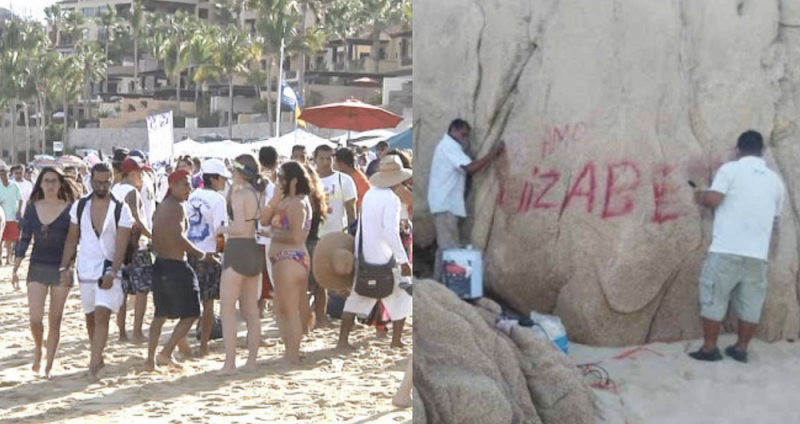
(290, 213)
(46, 222)
(241, 266)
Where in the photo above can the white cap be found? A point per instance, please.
(215, 167)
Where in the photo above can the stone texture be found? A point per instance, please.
(607, 108)
(465, 371)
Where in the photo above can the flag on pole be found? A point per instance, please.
(292, 100)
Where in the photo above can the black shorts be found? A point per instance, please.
(176, 292)
(138, 276)
(209, 275)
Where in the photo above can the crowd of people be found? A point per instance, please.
(198, 231)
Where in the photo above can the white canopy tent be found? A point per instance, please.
(367, 138)
(285, 143)
(224, 149)
(187, 147)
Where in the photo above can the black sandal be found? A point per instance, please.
(702, 355)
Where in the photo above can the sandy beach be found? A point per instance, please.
(660, 384)
(330, 387)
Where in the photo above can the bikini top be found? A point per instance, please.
(281, 219)
(258, 210)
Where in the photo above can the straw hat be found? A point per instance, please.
(390, 173)
(334, 261)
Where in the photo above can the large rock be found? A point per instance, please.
(607, 108)
(465, 371)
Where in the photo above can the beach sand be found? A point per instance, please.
(660, 384)
(330, 387)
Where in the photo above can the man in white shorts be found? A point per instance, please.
(380, 226)
(102, 224)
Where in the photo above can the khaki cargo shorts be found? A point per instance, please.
(731, 277)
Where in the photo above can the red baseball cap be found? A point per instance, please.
(174, 178)
(133, 163)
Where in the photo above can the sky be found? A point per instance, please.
(33, 8)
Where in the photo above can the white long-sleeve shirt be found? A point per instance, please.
(380, 221)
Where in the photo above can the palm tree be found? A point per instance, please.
(175, 60)
(20, 42)
(342, 19)
(378, 15)
(200, 52)
(74, 25)
(67, 86)
(137, 23)
(94, 69)
(43, 72)
(232, 51)
(280, 21)
(55, 18)
(111, 24)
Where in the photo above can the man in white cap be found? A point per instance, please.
(380, 231)
(207, 211)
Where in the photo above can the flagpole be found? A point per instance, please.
(280, 93)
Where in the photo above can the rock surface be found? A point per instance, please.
(465, 371)
(607, 108)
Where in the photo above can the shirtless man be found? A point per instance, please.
(176, 292)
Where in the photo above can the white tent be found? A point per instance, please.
(285, 143)
(223, 149)
(367, 138)
(187, 147)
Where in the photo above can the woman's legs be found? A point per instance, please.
(230, 291)
(58, 297)
(248, 301)
(290, 284)
(37, 293)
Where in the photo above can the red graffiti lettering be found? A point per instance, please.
(559, 134)
(663, 193)
(551, 178)
(620, 188)
(501, 194)
(525, 200)
(578, 191)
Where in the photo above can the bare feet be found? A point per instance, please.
(227, 370)
(402, 400)
(397, 344)
(249, 366)
(93, 374)
(345, 346)
(185, 350)
(139, 338)
(37, 362)
(123, 336)
(292, 359)
(323, 323)
(167, 361)
(203, 351)
(149, 365)
(381, 334)
(47, 372)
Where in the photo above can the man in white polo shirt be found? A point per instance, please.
(103, 228)
(747, 198)
(447, 185)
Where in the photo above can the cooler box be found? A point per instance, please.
(463, 272)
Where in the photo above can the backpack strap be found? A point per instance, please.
(81, 207)
(117, 211)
